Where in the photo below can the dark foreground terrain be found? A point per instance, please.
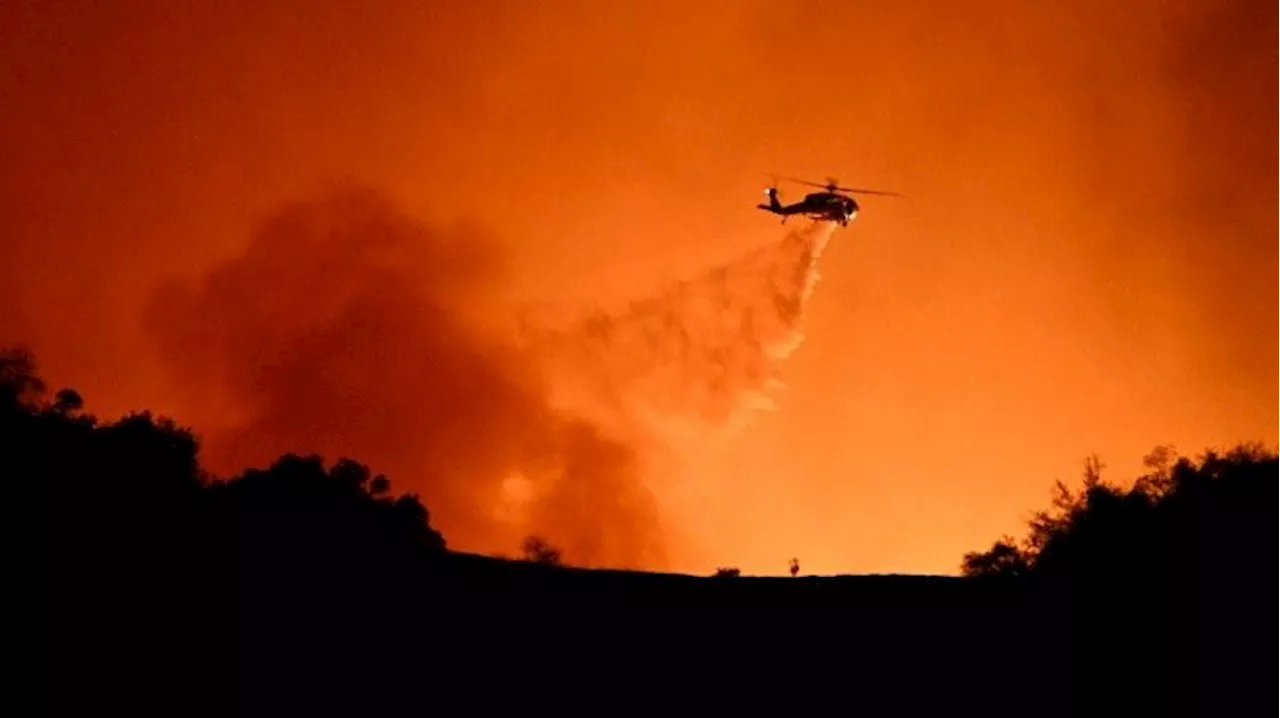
(482, 630)
(307, 588)
(280, 640)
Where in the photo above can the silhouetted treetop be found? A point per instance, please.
(1204, 516)
(19, 383)
(539, 550)
(344, 506)
(134, 487)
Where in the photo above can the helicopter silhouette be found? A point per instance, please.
(832, 205)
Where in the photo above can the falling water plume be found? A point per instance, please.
(703, 355)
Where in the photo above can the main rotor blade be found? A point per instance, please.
(832, 186)
(868, 191)
(811, 184)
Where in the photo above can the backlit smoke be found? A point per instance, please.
(678, 374)
(703, 354)
(346, 329)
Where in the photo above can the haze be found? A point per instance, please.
(1082, 262)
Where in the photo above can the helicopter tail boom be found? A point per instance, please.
(774, 205)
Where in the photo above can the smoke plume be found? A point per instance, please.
(348, 329)
(703, 354)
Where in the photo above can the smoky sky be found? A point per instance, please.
(1081, 261)
(349, 330)
(1228, 74)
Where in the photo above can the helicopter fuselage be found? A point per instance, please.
(821, 206)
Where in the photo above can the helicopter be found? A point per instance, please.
(830, 205)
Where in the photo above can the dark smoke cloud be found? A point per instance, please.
(1227, 170)
(347, 329)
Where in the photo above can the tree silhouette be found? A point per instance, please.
(1163, 582)
(19, 383)
(147, 550)
(1004, 558)
(1180, 516)
(538, 550)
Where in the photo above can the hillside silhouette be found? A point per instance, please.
(306, 587)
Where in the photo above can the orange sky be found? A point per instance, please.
(1082, 262)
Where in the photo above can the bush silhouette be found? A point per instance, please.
(107, 480)
(145, 550)
(537, 550)
(1167, 582)
(1182, 519)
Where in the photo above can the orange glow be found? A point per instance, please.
(1082, 261)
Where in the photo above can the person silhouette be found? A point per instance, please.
(795, 566)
